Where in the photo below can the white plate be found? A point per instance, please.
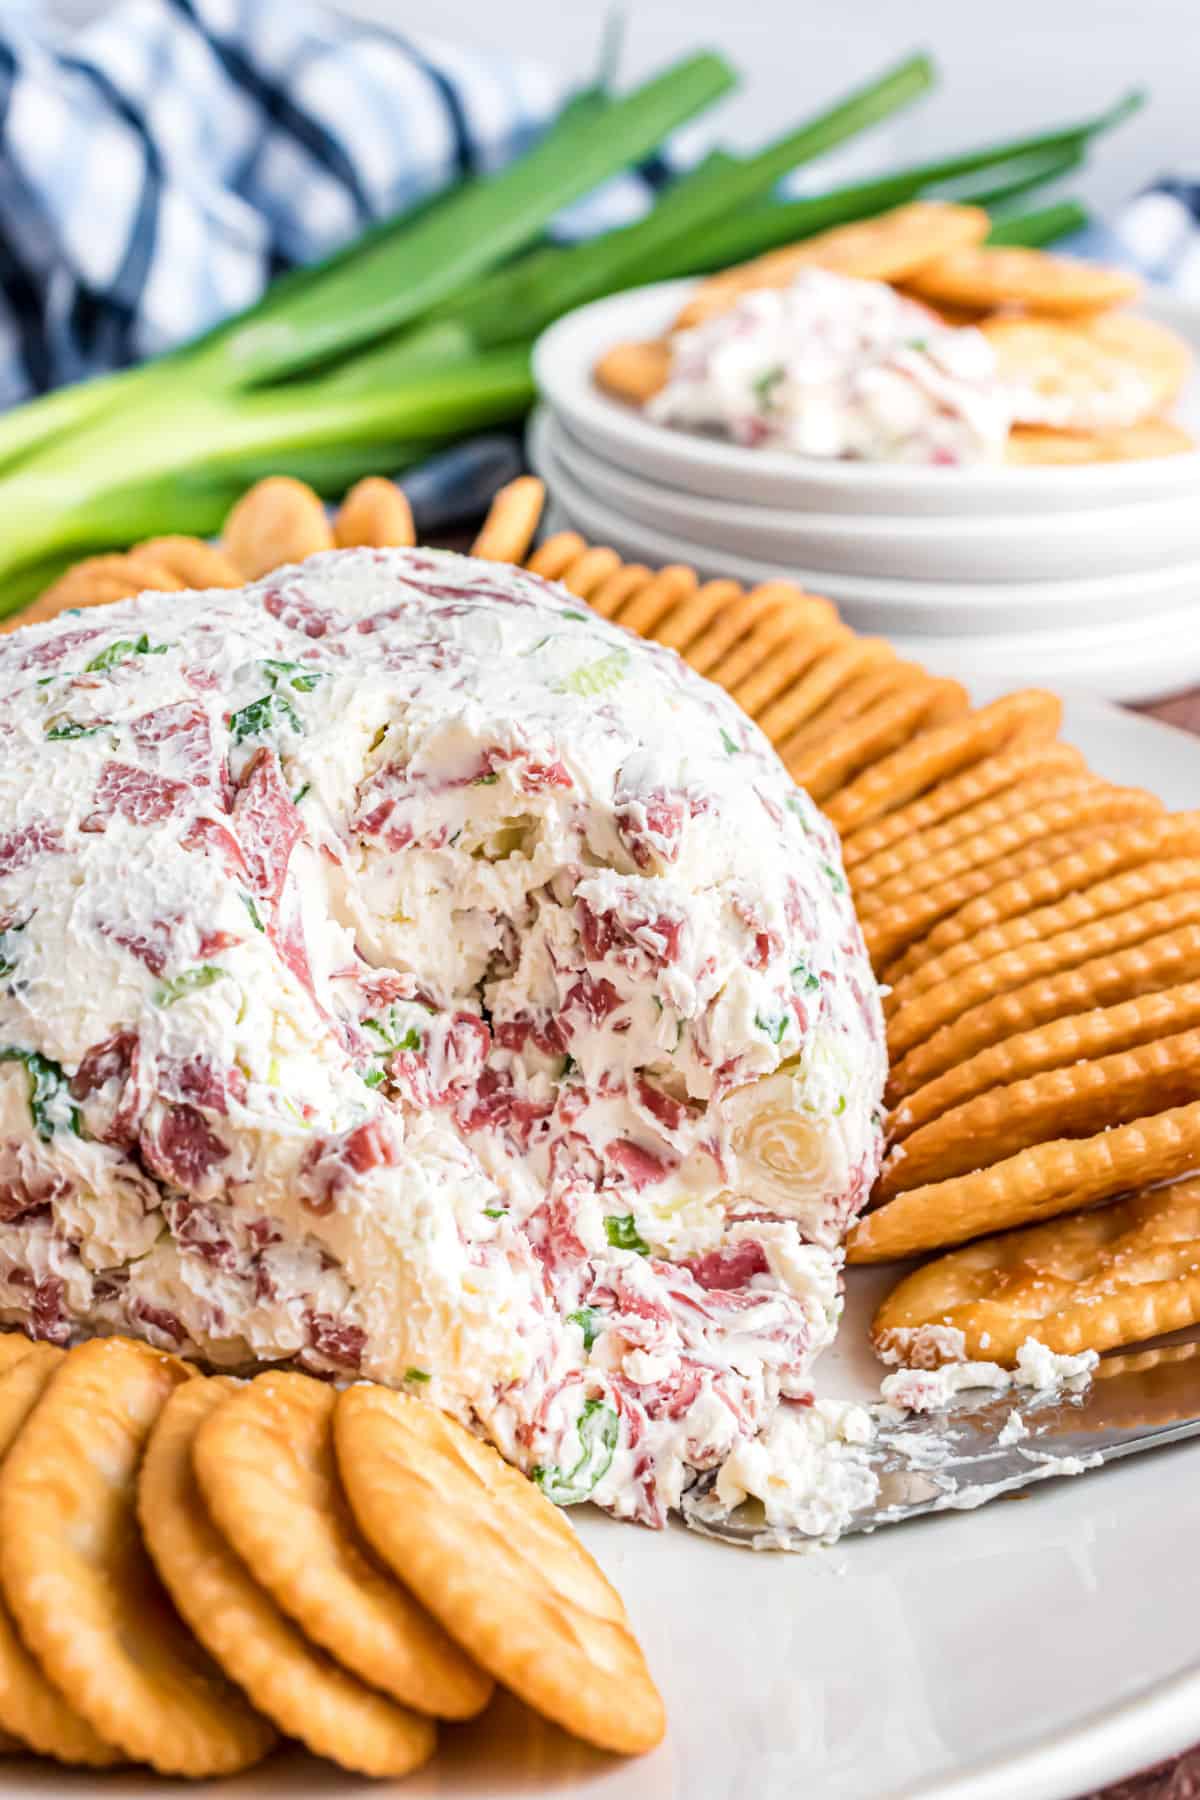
(1037, 1648)
(1125, 539)
(870, 603)
(565, 356)
(1138, 638)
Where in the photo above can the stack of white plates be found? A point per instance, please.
(1087, 576)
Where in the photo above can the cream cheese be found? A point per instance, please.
(405, 971)
(832, 366)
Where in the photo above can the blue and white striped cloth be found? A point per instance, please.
(159, 168)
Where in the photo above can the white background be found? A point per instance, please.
(1007, 64)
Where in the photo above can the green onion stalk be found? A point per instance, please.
(67, 495)
(420, 329)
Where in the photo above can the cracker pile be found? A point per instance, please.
(1056, 324)
(1038, 928)
(192, 1568)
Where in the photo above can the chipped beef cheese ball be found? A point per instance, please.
(406, 972)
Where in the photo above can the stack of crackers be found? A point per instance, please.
(1037, 929)
(191, 1568)
(1097, 380)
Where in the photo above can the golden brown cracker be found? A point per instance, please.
(552, 558)
(684, 624)
(98, 581)
(589, 577)
(1149, 438)
(892, 932)
(878, 679)
(764, 647)
(30, 1708)
(13, 1346)
(957, 794)
(498, 1564)
(992, 275)
(916, 767)
(1141, 968)
(998, 809)
(1038, 1183)
(1082, 866)
(80, 1585)
(291, 1681)
(1100, 373)
(1116, 1275)
(375, 514)
(840, 663)
(1102, 1031)
(1095, 805)
(608, 593)
(512, 521)
(784, 667)
(277, 521)
(1162, 354)
(956, 316)
(1065, 1102)
(194, 563)
(738, 620)
(634, 373)
(265, 1462)
(823, 769)
(643, 608)
(1131, 888)
(884, 248)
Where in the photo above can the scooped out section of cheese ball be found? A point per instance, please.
(407, 972)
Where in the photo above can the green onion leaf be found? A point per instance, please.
(262, 716)
(595, 678)
(598, 1428)
(192, 981)
(70, 728)
(588, 1321)
(49, 1093)
(622, 1233)
(773, 1028)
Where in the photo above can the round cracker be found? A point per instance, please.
(276, 522)
(293, 1682)
(993, 275)
(1036, 1183)
(192, 561)
(1130, 443)
(375, 513)
(266, 1466)
(554, 556)
(1141, 967)
(634, 373)
(512, 520)
(83, 1592)
(1091, 374)
(1118, 1275)
(1166, 358)
(498, 1564)
(31, 1710)
(13, 1346)
(884, 248)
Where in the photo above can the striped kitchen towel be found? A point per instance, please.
(158, 168)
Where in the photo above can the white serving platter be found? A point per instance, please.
(1038, 1648)
(969, 548)
(565, 356)
(1133, 638)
